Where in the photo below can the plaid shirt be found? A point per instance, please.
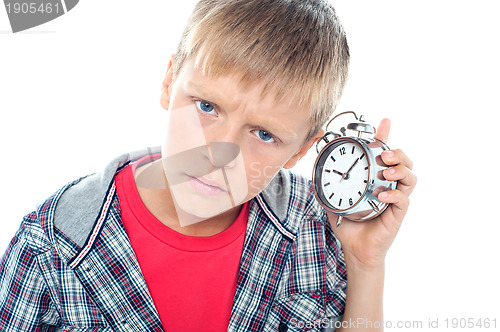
(292, 274)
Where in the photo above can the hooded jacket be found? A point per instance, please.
(71, 267)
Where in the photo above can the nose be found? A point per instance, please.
(223, 148)
(223, 154)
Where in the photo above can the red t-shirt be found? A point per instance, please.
(192, 280)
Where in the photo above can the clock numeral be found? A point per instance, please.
(350, 202)
(359, 193)
(331, 157)
(326, 184)
(327, 170)
(342, 151)
(340, 202)
(330, 196)
(352, 152)
(362, 156)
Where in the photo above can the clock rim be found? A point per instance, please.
(326, 205)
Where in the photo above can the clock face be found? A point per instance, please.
(343, 179)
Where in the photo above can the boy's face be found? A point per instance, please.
(245, 139)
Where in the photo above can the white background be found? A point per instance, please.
(84, 88)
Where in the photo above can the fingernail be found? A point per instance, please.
(383, 195)
(392, 171)
(389, 153)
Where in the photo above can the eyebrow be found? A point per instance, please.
(261, 122)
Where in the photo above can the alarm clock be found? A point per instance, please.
(348, 172)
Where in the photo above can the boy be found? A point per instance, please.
(209, 233)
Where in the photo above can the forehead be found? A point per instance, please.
(261, 88)
(251, 75)
(256, 98)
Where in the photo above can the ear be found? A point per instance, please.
(303, 150)
(167, 85)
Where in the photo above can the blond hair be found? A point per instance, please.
(297, 47)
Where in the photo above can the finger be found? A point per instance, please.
(407, 180)
(395, 157)
(398, 208)
(383, 130)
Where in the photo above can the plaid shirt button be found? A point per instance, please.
(282, 327)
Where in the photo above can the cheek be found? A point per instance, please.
(260, 173)
(184, 132)
(263, 163)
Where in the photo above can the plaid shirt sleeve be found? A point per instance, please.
(25, 303)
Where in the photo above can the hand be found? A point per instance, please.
(366, 243)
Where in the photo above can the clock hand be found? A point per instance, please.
(337, 172)
(346, 174)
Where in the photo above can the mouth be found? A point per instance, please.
(205, 186)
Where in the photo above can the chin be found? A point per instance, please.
(198, 205)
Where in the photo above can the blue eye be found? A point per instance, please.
(264, 136)
(205, 107)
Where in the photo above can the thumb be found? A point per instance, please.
(383, 130)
